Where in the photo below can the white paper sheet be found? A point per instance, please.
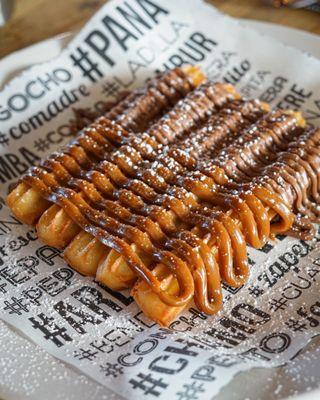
(266, 322)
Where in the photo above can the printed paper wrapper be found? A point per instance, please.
(101, 333)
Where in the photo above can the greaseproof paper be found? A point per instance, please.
(102, 333)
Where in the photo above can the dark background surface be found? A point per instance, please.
(35, 20)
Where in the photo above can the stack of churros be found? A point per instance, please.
(164, 193)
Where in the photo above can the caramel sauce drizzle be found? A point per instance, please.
(134, 113)
(140, 239)
(164, 200)
(49, 179)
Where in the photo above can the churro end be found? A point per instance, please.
(114, 272)
(301, 122)
(56, 228)
(149, 301)
(195, 73)
(265, 106)
(84, 253)
(232, 90)
(26, 203)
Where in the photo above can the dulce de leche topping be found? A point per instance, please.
(190, 177)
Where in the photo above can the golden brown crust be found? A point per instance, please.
(176, 205)
(84, 253)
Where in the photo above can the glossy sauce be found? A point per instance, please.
(152, 189)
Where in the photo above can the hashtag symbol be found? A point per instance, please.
(148, 384)
(255, 291)
(191, 391)
(89, 69)
(41, 144)
(110, 369)
(85, 354)
(17, 306)
(57, 334)
(280, 304)
(110, 88)
(4, 140)
(296, 325)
